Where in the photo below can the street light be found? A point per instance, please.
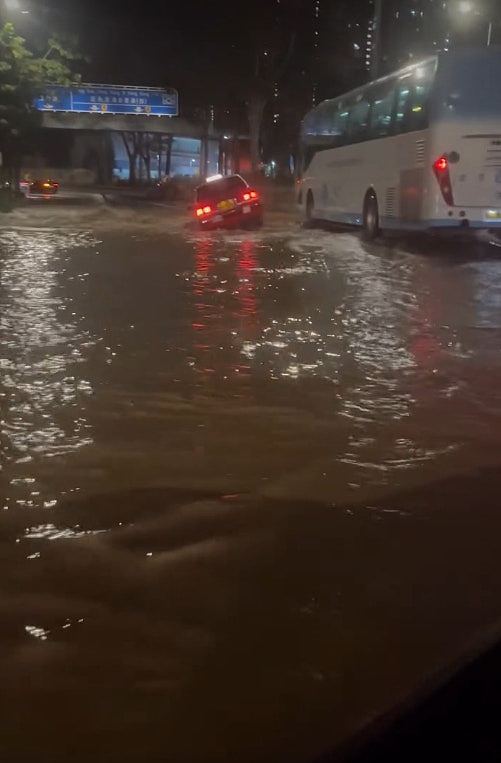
(14, 6)
(467, 7)
(9, 9)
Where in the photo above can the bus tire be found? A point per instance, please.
(310, 210)
(371, 228)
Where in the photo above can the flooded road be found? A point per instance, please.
(249, 487)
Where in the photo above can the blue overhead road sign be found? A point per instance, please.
(109, 99)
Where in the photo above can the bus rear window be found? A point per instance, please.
(468, 85)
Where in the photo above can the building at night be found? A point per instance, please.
(339, 44)
(341, 34)
(332, 53)
(412, 29)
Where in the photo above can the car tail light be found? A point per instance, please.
(250, 195)
(201, 211)
(442, 173)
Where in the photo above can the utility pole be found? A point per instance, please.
(376, 38)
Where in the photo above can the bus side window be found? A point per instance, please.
(340, 125)
(382, 111)
(308, 154)
(422, 85)
(418, 118)
(321, 124)
(401, 119)
(359, 120)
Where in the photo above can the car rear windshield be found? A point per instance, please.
(220, 189)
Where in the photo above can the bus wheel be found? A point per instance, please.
(310, 210)
(371, 217)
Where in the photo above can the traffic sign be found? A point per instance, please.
(109, 99)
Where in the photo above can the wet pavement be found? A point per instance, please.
(249, 486)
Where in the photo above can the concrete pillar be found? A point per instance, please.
(204, 156)
(168, 156)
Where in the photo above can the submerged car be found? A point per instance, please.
(228, 201)
(39, 188)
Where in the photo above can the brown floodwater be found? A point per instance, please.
(249, 487)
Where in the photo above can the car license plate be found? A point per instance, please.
(217, 218)
(246, 210)
(493, 214)
(224, 206)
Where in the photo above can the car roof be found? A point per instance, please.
(235, 176)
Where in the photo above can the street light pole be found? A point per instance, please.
(467, 8)
(489, 34)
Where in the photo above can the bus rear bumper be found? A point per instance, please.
(462, 225)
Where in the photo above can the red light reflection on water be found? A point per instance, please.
(225, 306)
(246, 267)
(424, 343)
(204, 265)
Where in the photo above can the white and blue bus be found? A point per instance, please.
(419, 149)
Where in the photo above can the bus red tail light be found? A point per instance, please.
(442, 173)
(441, 165)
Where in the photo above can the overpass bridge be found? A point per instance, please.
(122, 133)
(54, 120)
(106, 145)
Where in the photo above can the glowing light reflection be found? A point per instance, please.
(42, 395)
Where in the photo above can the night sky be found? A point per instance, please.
(206, 50)
(188, 43)
(198, 46)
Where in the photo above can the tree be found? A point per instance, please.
(145, 150)
(131, 142)
(140, 148)
(272, 46)
(22, 77)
